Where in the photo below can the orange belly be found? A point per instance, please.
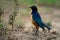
(34, 23)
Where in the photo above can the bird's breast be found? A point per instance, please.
(33, 20)
(34, 23)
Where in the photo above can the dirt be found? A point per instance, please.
(24, 35)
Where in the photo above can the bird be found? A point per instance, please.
(37, 20)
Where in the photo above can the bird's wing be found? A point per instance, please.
(42, 24)
(38, 20)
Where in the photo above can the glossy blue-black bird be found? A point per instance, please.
(37, 20)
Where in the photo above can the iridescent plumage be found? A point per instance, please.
(36, 19)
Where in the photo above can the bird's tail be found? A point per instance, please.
(47, 27)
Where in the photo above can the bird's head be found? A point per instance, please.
(34, 8)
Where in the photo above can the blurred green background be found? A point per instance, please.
(40, 2)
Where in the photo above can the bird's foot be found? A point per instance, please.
(35, 34)
(49, 31)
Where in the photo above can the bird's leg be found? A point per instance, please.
(36, 33)
(49, 31)
(44, 32)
